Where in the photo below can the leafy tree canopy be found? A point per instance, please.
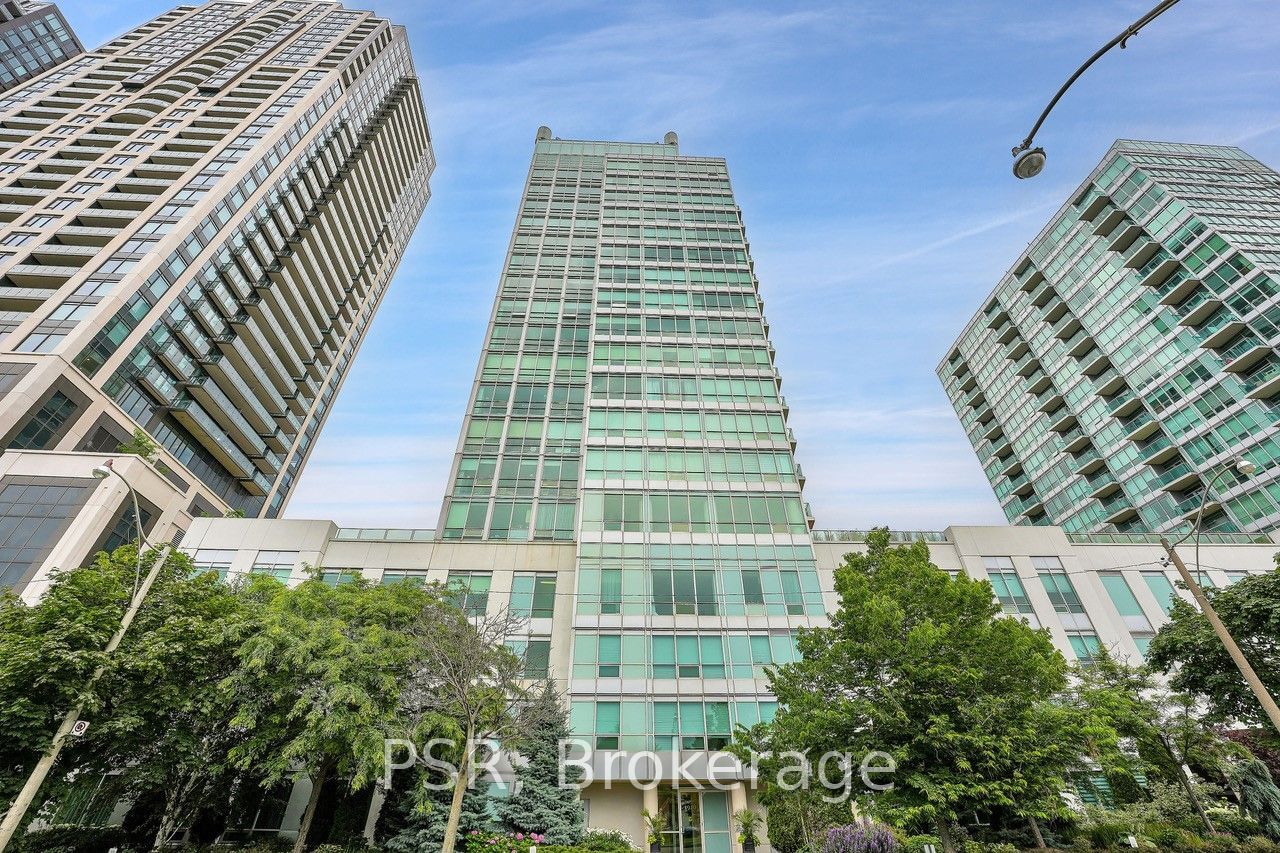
(1193, 657)
(926, 668)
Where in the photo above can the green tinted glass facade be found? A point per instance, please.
(1129, 354)
(627, 401)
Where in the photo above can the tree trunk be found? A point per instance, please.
(944, 835)
(1035, 830)
(317, 783)
(1186, 783)
(175, 805)
(455, 807)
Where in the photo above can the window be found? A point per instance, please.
(409, 576)
(45, 424)
(684, 592)
(40, 221)
(469, 591)
(1009, 590)
(214, 560)
(689, 656)
(17, 238)
(1062, 593)
(611, 591)
(333, 577)
(533, 596)
(33, 514)
(536, 654)
(277, 564)
(63, 203)
(1234, 577)
(1125, 601)
(1085, 646)
(1161, 588)
(607, 726)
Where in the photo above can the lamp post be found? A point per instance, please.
(1029, 162)
(26, 797)
(1246, 468)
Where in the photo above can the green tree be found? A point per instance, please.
(48, 652)
(140, 445)
(1190, 653)
(539, 803)
(318, 686)
(1259, 796)
(469, 687)
(925, 668)
(164, 725)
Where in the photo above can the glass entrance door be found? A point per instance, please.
(696, 821)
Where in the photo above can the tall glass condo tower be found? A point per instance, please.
(1130, 355)
(627, 400)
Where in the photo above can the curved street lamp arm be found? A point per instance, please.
(1129, 32)
(1195, 521)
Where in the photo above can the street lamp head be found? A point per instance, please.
(1028, 164)
(1244, 466)
(101, 472)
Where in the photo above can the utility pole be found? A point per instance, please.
(1241, 662)
(27, 796)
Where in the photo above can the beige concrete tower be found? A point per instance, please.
(197, 223)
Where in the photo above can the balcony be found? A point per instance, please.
(1019, 485)
(1018, 505)
(1138, 425)
(1243, 353)
(1094, 206)
(1037, 382)
(1007, 333)
(1066, 327)
(1086, 461)
(1027, 365)
(1197, 308)
(1048, 400)
(1078, 343)
(1101, 483)
(1108, 382)
(1156, 450)
(1042, 294)
(990, 431)
(997, 316)
(1123, 404)
(1177, 478)
(1263, 382)
(1117, 508)
(1124, 237)
(983, 413)
(1144, 249)
(1062, 420)
(1093, 361)
(1015, 349)
(1160, 273)
(1054, 309)
(1180, 291)
(1109, 221)
(1028, 277)
(1074, 439)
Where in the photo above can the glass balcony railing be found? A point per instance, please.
(1178, 472)
(899, 536)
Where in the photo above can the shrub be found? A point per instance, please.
(854, 838)
(70, 839)
(916, 843)
(607, 841)
(1232, 822)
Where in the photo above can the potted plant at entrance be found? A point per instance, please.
(748, 823)
(654, 824)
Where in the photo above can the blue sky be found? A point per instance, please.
(868, 144)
